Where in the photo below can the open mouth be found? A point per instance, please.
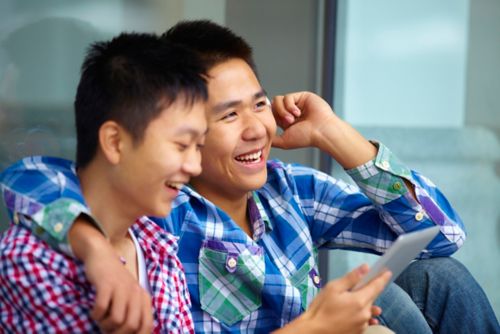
(174, 185)
(250, 158)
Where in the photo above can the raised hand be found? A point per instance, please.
(301, 115)
(308, 121)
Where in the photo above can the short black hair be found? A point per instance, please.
(131, 79)
(213, 43)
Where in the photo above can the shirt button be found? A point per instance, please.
(419, 216)
(58, 227)
(231, 263)
(316, 279)
(396, 186)
(385, 164)
(16, 218)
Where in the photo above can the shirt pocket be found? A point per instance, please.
(307, 280)
(231, 278)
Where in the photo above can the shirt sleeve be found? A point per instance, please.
(370, 216)
(43, 194)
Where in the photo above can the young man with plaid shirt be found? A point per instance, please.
(140, 120)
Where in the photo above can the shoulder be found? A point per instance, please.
(291, 174)
(153, 238)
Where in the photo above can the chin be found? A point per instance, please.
(162, 211)
(256, 183)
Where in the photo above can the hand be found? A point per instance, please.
(337, 309)
(121, 304)
(300, 115)
(308, 121)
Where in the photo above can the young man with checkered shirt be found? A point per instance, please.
(140, 120)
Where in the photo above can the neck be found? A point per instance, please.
(236, 207)
(114, 216)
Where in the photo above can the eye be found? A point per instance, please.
(229, 116)
(261, 105)
(182, 147)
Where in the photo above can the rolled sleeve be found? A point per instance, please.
(382, 179)
(43, 194)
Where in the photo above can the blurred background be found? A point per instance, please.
(421, 76)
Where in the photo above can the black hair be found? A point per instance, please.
(131, 79)
(213, 43)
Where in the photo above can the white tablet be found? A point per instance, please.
(399, 255)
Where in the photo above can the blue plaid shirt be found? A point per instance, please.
(240, 283)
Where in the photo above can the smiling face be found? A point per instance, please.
(241, 127)
(151, 172)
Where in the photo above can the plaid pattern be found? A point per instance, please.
(43, 291)
(298, 210)
(231, 278)
(52, 180)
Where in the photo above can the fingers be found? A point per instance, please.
(285, 110)
(147, 322)
(101, 306)
(348, 281)
(282, 116)
(116, 313)
(131, 322)
(373, 288)
(290, 103)
(376, 311)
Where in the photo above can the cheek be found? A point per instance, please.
(163, 161)
(270, 122)
(218, 144)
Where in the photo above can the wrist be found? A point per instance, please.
(328, 134)
(344, 143)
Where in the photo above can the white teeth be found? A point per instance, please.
(250, 157)
(175, 185)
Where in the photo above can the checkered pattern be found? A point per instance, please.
(43, 291)
(297, 211)
(230, 294)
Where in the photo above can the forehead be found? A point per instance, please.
(181, 118)
(232, 80)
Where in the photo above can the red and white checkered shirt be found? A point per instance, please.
(43, 291)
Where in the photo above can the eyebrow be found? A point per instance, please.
(233, 103)
(190, 131)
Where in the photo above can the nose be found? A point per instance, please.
(192, 162)
(254, 127)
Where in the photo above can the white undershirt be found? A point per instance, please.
(141, 264)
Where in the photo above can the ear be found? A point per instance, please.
(112, 138)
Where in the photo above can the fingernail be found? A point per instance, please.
(289, 118)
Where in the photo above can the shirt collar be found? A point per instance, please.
(258, 216)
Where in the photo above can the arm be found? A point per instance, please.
(43, 194)
(393, 199)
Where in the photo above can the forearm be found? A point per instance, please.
(85, 239)
(343, 143)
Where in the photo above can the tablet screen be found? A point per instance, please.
(400, 254)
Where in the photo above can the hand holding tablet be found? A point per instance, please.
(399, 255)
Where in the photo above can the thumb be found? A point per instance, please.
(279, 142)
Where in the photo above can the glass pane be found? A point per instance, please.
(42, 45)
